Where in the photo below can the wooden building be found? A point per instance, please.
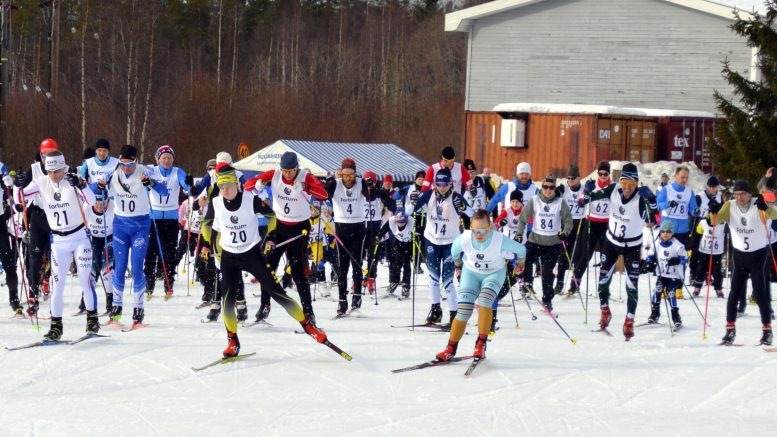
(597, 70)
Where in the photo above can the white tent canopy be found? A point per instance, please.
(323, 157)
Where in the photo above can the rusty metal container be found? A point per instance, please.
(684, 139)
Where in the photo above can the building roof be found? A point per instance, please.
(563, 108)
(460, 21)
(324, 157)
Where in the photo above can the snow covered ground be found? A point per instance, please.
(534, 382)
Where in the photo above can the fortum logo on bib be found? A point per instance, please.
(57, 196)
(744, 221)
(546, 208)
(622, 210)
(287, 190)
(234, 219)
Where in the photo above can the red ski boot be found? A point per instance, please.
(233, 345)
(480, 347)
(628, 328)
(371, 285)
(604, 320)
(313, 331)
(449, 351)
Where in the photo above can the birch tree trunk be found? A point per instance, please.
(83, 77)
(143, 130)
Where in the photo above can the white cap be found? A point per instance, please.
(223, 157)
(54, 163)
(523, 167)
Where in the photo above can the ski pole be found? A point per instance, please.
(571, 257)
(588, 263)
(188, 240)
(515, 312)
(668, 313)
(709, 277)
(416, 253)
(319, 244)
(544, 308)
(355, 261)
(169, 291)
(21, 262)
(687, 290)
(569, 260)
(26, 222)
(526, 299)
(371, 263)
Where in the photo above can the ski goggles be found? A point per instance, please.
(127, 164)
(628, 183)
(480, 231)
(441, 184)
(548, 187)
(226, 185)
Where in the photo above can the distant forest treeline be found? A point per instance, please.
(205, 75)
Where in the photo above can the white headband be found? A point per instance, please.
(54, 163)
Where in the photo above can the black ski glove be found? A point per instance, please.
(19, 179)
(760, 203)
(714, 206)
(75, 181)
(189, 180)
(458, 203)
(673, 261)
(148, 182)
(503, 223)
(562, 235)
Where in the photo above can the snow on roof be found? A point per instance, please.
(563, 108)
(459, 21)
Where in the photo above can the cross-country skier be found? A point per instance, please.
(129, 186)
(8, 246)
(60, 196)
(97, 168)
(479, 254)
(348, 193)
(99, 218)
(478, 193)
(552, 223)
(702, 242)
(375, 202)
(628, 209)
(666, 258)
(444, 208)
(39, 246)
(164, 216)
(522, 181)
(236, 239)
(321, 232)
(570, 193)
(292, 189)
(594, 227)
(460, 178)
(677, 203)
(747, 218)
(401, 227)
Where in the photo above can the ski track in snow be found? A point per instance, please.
(534, 382)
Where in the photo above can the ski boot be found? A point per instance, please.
(435, 314)
(313, 331)
(604, 320)
(393, 287)
(213, 313)
(696, 291)
(233, 345)
(449, 351)
(480, 347)
(32, 304)
(767, 337)
(108, 302)
(677, 322)
(137, 316)
(405, 291)
(55, 332)
(571, 292)
(81, 308)
(92, 322)
(655, 312)
(242, 311)
(719, 293)
(559, 289)
(628, 328)
(116, 313)
(17, 309)
(356, 302)
(548, 304)
(263, 313)
(342, 308)
(371, 285)
(149, 293)
(731, 334)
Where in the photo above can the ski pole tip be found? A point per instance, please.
(574, 341)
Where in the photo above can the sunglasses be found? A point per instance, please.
(227, 185)
(479, 231)
(604, 173)
(442, 184)
(548, 187)
(448, 160)
(127, 164)
(348, 175)
(628, 183)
